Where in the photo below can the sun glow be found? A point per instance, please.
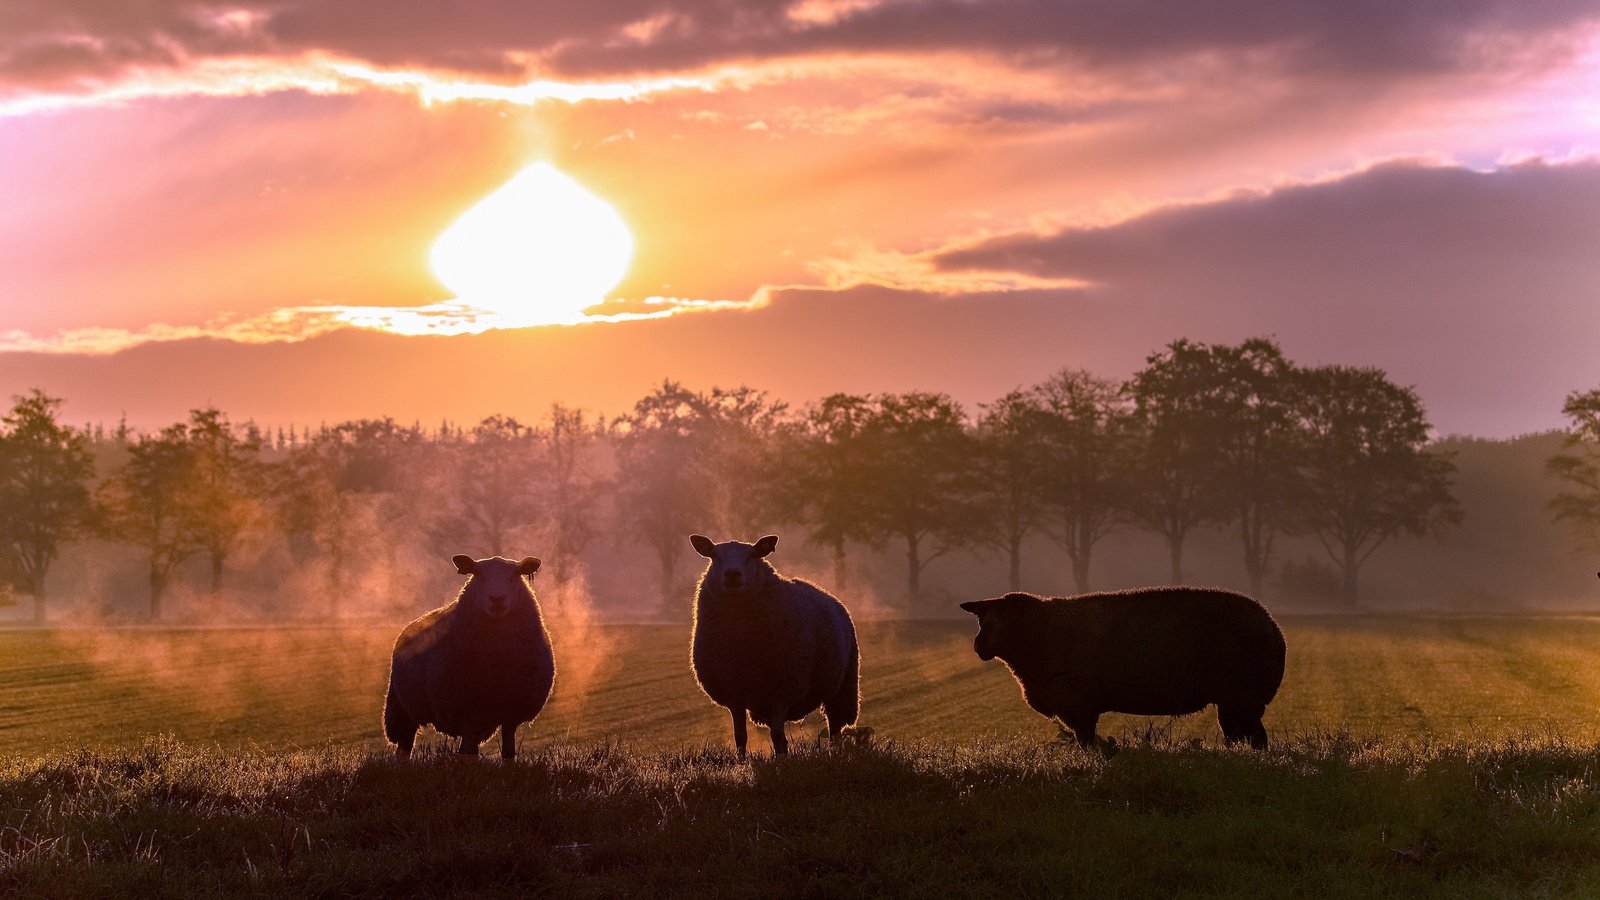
(538, 251)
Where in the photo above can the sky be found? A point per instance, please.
(238, 203)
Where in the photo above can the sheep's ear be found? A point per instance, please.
(979, 608)
(703, 546)
(528, 566)
(765, 546)
(464, 564)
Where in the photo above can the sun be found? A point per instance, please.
(538, 251)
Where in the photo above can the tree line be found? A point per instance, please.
(1203, 436)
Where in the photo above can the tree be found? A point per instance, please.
(919, 482)
(1253, 403)
(1088, 436)
(661, 455)
(572, 490)
(227, 485)
(743, 429)
(147, 502)
(45, 470)
(1578, 464)
(827, 476)
(1012, 458)
(350, 489)
(690, 461)
(492, 485)
(1368, 475)
(1177, 463)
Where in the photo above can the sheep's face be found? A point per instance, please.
(737, 569)
(998, 623)
(497, 585)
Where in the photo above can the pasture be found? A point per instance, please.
(1416, 756)
(285, 688)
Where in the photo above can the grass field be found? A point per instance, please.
(311, 687)
(1412, 757)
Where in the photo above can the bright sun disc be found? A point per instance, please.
(538, 251)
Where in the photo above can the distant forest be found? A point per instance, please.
(1312, 487)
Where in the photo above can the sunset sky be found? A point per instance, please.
(235, 203)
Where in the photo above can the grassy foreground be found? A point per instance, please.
(1417, 756)
(1324, 816)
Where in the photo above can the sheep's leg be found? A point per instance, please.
(780, 741)
(843, 707)
(508, 741)
(1083, 726)
(1243, 725)
(398, 727)
(740, 732)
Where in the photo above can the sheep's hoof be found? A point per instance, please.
(859, 734)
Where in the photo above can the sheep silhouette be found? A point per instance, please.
(771, 648)
(478, 663)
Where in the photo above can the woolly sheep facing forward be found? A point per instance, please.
(1166, 651)
(478, 663)
(769, 648)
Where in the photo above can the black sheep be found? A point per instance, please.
(1164, 651)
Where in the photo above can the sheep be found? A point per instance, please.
(769, 647)
(478, 663)
(1163, 651)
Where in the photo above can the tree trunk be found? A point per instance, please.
(840, 574)
(158, 586)
(1257, 547)
(336, 586)
(1352, 566)
(1175, 545)
(913, 570)
(38, 597)
(1256, 577)
(1080, 570)
(1016, 565)
(1079, 546)
(217, 562)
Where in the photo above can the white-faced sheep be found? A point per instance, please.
(478, 663)
(769, 647)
